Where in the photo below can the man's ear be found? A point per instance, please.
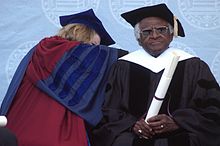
(139, 42)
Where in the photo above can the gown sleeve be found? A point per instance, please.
(114, 120)
(201, 116)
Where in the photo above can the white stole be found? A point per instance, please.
(155, 64)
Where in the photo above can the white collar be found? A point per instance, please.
(144, 59)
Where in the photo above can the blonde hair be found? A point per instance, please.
(77, 32)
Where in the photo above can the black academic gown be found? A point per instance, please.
(7, 138)
(192, 99)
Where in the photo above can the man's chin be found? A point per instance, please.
(155, 53)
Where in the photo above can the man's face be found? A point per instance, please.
(155, 35)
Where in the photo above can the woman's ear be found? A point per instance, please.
(96, 40)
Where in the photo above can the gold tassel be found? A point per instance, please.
(175, 27)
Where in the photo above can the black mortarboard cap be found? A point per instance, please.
(159, 10)
(89, 19)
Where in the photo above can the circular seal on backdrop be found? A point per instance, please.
(215, 67)
(117, 7)
(16, 56)
(183, 47)
(201, 14)
(55, 8)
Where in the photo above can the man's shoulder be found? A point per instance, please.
(122, 52)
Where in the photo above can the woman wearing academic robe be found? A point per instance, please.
(57, 88)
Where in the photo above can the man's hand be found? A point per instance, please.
(142, 129)
(162, 124)
(154, 125)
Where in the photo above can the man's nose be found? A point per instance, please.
(154, 33)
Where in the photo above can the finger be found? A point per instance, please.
(139, 127)
(147, 131)
(138, 123)
(157, 118)
(144, 126)
(155, 124)
(159, 127)
(142, 129)
(136, 129)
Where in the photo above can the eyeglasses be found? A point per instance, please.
(163, 30)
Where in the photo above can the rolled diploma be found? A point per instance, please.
(162, 88)
(3, 121)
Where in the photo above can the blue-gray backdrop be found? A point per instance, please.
(25, 22)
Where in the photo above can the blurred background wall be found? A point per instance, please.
(24, 23)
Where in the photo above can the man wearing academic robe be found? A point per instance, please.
(190, 111)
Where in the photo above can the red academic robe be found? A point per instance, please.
(35, 117)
